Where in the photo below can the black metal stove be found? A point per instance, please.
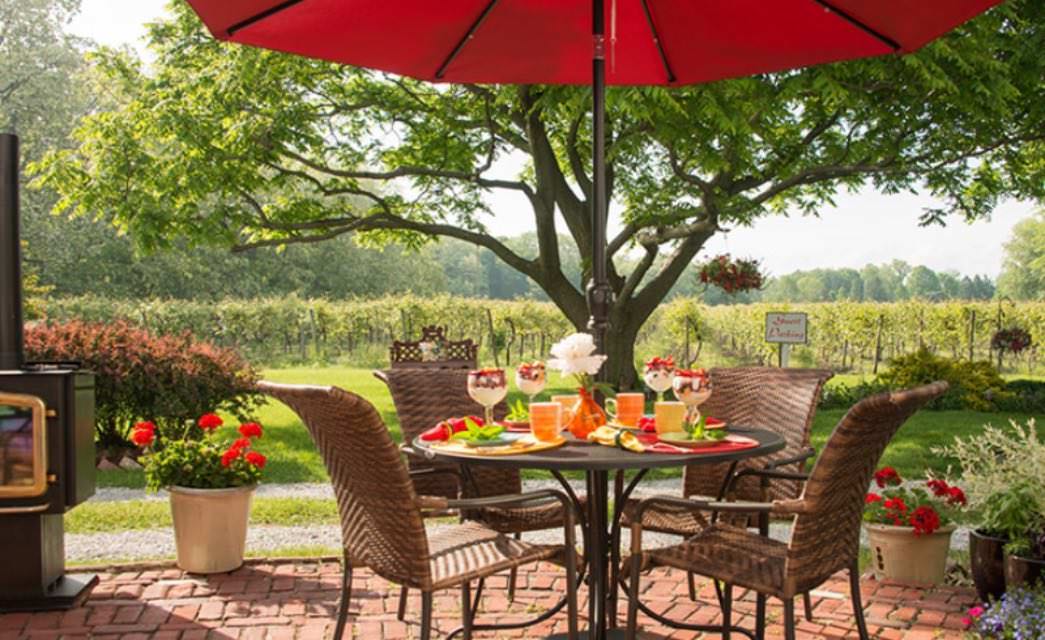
(47, 453)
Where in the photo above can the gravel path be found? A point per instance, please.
(155, 543)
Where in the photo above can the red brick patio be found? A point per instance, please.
(280, 599)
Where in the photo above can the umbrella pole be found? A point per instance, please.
(600, 296)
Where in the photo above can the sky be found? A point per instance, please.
(864, 227)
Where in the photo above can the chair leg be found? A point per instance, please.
(466, 610)
(807, 604)
(727, 610)
(426, 615)
(858, 605)
(789, 619)
(633, 595)
(571, 587)
(760, 616)
(346, 599)
(401, 613)
(512, 575)
(691, 580)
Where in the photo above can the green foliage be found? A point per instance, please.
(145, 375)
(475, 433)
(1003, 472)
(1023, 272)
(197, 464)
(974, 385)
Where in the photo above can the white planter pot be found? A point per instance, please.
(210, 527)
(898, 554)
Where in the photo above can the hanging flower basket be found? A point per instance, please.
(1012, 340)
(732, 275)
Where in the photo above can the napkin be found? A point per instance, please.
(442, 431)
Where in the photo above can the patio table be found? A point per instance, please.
(597, 462)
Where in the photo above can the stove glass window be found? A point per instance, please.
(16, 447)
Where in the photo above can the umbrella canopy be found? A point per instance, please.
(649, 42)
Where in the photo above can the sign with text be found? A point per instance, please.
(786, 328)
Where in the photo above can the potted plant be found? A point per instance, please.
(909, 528)
(1001, 474)
(211, 480)
(1017, 614)
(1015, 512)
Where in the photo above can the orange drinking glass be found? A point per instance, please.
(627, 408)
(569, 406)
(545, 420)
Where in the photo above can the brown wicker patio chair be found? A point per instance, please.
(779, 400)
(825, 537)
(422, 398)
(381, 524)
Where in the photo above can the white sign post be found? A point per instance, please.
(786, 329)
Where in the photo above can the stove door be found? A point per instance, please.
(23, 446)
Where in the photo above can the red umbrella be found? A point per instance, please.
(651, 42)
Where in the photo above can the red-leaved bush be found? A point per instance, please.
(169, 379)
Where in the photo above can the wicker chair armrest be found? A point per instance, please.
(510, 500)
(417, 473)
(696, 504)
(798, 458)
(765, 475)
(380, 375)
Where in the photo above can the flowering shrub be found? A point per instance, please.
(924, 511)
(975, 386)
(1019, 614)
(200, 458)
(166, 378)
(732, 275)
(1012, 340)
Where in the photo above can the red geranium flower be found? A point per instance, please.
(256, 459)
(896, 504)
(241, 443)
(872, 498)
(956, 496)
(230, 456)
(886, 476)
(925, 520)
(210, 422)
(144, 434)
(250, 430)
(938, 487)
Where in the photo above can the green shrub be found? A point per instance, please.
(1025, 396)
(169, 379)
(975, 386)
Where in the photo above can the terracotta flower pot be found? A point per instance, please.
(898, 554)
(987, 560)
(210, 527)
(1023, 571)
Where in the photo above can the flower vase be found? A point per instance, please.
(587, 416)
(898, 554)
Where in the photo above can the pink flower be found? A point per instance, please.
(976, 611)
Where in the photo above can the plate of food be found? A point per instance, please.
(491, 435)
(686, 439)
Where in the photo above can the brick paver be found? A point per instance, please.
(287, 599)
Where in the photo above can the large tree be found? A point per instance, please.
(1023, 271)
(243, 147)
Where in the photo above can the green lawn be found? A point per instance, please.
(293, 458)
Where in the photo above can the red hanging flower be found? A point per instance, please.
(250, 430)
(256, 459)
(731, 275)
(209, 422)
(887, 476)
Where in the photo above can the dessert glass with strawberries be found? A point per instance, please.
(487, 387)
(692, 387)
(658, 375)
(531, 378)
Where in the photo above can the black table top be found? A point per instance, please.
(578, 455)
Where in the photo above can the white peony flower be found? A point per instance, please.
(575, 355)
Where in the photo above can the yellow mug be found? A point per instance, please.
(668, 416)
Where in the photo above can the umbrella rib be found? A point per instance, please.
(656, 41)
(863, 26)
(464, 40)
(258, 17)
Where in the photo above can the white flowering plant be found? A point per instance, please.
(575, 356)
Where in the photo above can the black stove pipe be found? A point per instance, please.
(11, 345)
